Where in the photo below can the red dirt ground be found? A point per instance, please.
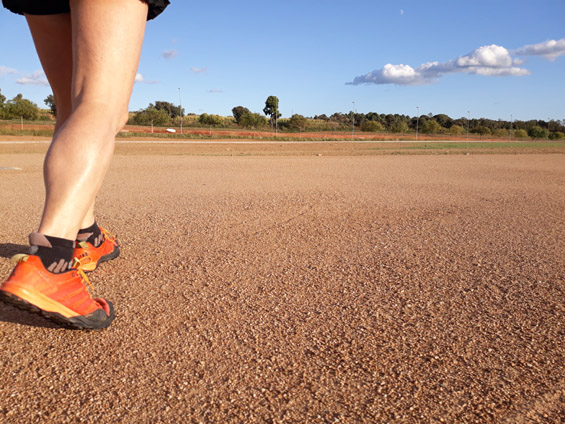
(285, 289)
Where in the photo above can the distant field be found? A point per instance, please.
(13, 144)
(210, 133)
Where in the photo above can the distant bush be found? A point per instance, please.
(456, 130)
(520, 134)
(481, 130)
(538, 132)
(18, 108)
(557, 135)
(151, 116)
(297, 122)
(501, 132)
(431, 126)
(206, 119)
(371, 126)
(399, 127)
(252, 120)
(238, 112)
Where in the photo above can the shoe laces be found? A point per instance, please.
(76, 263)
(108, 235)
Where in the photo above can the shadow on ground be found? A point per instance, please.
(14, 315)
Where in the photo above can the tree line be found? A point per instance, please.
(158, 114)
(18, 108)
(162, 113)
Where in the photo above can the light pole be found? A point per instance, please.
(548, 119)
(353, 121)
(180, 111)
(417, 121)
(510, 132)
(276, 113)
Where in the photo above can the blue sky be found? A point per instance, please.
(492, 59)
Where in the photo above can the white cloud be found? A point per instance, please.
(490, 56)
(215, 90)
(549, 50)
(199, 70)
(37, 78)
(391, 74)
(141, 79)
(7, 71)
(170, 54)
(402, 11)
(490, 60)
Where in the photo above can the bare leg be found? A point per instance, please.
(106, 44)
(53, 42)
(52, 36)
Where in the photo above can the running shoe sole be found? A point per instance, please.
(94, 321)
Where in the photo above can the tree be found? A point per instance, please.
(152, 116)
(271, 109)
(389, 121)
(341, 118)
(50, 101)
(206, 119)
(557, 135)
(2, 100)
(399, 127)
(456, 130)
(431, 127)
(520, 134)
(252, 120)
(372, 126)
(538, 132)
(238, 112)
(297, 122)
(443, 120)
(20, 107)
(501, 132)
(481, 130)
(172, 110)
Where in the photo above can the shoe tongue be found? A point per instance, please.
(38, 239)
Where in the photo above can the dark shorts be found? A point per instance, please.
(52, 7)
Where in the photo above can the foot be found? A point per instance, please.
(62, 298)
(90, 257)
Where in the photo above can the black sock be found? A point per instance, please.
(92, 235)
(56, 254)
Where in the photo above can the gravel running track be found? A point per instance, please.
(375, 289)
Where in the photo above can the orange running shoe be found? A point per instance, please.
(62, 298)
(90, 257)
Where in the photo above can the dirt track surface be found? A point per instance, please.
(383, 289)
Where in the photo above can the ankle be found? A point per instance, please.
(56, 254)
(92, 235)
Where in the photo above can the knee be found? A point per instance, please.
(108, 116)
(122, 120)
